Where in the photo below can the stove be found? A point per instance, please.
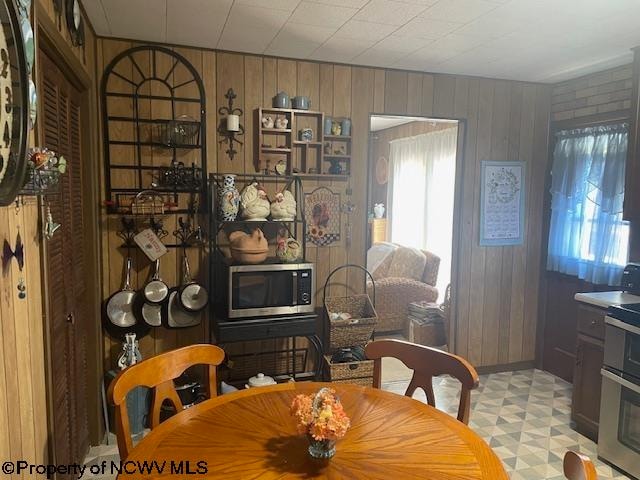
(619, 431)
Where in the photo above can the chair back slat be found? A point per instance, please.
(158, 374)
(426, 363)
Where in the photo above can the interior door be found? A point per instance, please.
(66, 293)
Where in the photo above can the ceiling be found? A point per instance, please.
(532, 40)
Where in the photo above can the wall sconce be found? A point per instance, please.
(229, 126)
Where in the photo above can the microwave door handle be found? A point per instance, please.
(294, 284)
(614, 322)
(621, 381)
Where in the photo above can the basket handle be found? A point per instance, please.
(347, 265)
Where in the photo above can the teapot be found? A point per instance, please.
(260, 380)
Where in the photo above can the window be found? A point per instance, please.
(587, 236)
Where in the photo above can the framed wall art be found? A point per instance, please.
(322, 216)
(502, 203)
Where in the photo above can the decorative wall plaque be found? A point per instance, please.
(322, 215)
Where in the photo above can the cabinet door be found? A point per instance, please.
(585, 408)
(631, 209)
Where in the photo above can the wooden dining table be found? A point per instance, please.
(251, 434)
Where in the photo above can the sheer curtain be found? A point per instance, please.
(421, 194)
(587, 236)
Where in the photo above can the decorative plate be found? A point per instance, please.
(29, 45)
(13, 104)
(382, 171)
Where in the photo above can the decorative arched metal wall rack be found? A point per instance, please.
(154, 120)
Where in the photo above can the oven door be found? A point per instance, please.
(262, 293)
(622, 347)
(619, 431)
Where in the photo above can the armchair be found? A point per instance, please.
(402, 275)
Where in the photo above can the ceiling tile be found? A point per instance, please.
(364, 30)
(253, 40)
(427, 28)
(98, 17)
(377, 58)
(245, 17)
(462, 11)
(288, 5)
(389, 12)
(309, 13)
(201, 30)
(400, 44)
(342, 3)
(144, 19)
(490, 27)
(339, 50)
(298, 41)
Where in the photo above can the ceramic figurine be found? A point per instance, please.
(306, 134)
(336, 128)
(228, 199)
(288, 250)
(284, 206)
(346, 127)
(335, 168)
(282, 122)
(340, 150)
(378, 210)
(247, 248)
(281, 167)
(327, 148)
(254, 203)
(130, 352)
(267, 121)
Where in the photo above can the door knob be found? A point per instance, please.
(71, 319)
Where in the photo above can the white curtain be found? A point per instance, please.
(421, 194)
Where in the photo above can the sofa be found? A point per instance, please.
(402, 275)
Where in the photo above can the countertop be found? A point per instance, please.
(606, 299)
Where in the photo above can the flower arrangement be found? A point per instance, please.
(320, 415)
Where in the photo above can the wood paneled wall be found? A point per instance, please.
(497, 294)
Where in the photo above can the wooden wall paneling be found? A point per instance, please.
(395, 92)
(362, 95)
(253, 83)
(478, 266)
(519, 274)
(494, 292)
(209, 81)
(341, 108)
(535, 217)
(414, 93)
(379, 81)
(323, 254)
(427, 94)
(443, 97)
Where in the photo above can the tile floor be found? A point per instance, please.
(523, 415)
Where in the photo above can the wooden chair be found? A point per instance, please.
(578, 467)
(158, 374)
(426, 363)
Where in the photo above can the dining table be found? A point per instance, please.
(251, 434)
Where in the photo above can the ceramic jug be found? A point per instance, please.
(229, 199)
(281, 100)
(346, 127)
(130, 352)
(378, 210)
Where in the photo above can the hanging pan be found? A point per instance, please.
(178, 317)
(155, 291)
(192, 296)
(119, 306)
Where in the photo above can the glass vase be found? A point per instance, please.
(321, 448)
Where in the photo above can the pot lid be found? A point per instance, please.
(261, 380)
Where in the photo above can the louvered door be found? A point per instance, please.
(65, 269)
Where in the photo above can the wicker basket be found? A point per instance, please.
(360, 373)
(358, 329)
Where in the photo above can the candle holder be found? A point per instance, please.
(229, 126)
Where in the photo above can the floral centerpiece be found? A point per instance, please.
(322, 418)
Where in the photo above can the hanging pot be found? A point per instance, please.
(192, 296)
(119, 306)
(176, 315)
(150, 313)
(155, 291)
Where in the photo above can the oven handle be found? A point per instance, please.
(294, 284)
(614, 322)
(620, 381)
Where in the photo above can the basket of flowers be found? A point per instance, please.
(322, 419)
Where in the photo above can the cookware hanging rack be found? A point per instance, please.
(187, 235)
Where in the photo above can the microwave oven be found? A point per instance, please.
(268, 290)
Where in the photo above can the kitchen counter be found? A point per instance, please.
(606, 299)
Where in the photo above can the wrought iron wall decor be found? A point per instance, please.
(159, 142)
(229, 126)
